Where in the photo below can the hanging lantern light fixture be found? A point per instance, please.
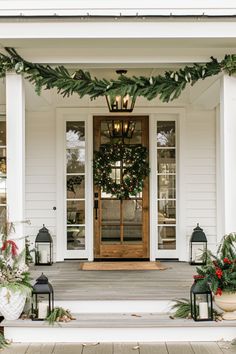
(119, 103)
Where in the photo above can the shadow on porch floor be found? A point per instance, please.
(70, 283)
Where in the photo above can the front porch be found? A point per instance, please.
(72, 284)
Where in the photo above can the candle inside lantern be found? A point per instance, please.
(44, 256)
(203, 310)
(42, 310)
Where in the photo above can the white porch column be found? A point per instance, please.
(15, 117)
(227, 157)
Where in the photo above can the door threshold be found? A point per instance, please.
(121, 259)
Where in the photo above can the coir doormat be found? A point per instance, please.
(122, 266)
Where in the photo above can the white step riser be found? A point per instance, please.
(116, 306)
(92, 335)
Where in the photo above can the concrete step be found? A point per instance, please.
(119, 327)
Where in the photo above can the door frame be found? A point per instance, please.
(141, 250)
(64, 115)
(154, 113)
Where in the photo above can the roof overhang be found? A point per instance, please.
(117, 8)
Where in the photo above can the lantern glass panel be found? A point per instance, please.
(198, 249)
(41, 306)
(202, 307)
(43, 253)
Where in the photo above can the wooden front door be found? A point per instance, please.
(121, 226)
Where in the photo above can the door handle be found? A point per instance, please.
(96, 205)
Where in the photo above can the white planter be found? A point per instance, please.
(11, 303)
(227, 303)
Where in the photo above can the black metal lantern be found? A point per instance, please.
(198, 247)
(119, 103)
(121, 128)
(201, 301)
(42, 299)
(43, 247)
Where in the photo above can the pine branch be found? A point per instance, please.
(4, 343)
(59, 314)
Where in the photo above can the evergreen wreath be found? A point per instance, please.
(135, 169)
(167, 87)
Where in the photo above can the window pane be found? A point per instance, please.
(166, 161)
(166, 133)
(137, 134)
(3, 215)
(166, 237)
(115, 175)
(110, 211)
(166, 187)
(75, 212)
(75, 237)
(132, 211)
(110, 233)
(136, 137)
(3, 133)
(75, 187)
(105, 137)
(75, 135)
(132, 233)
(166, 212)
(2, 190)
(75, 160)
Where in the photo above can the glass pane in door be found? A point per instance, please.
(75, 185)
(3, 171)
(166, 184)
(132, 217)
(110, 230)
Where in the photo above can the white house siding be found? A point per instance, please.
(40, 172)
(200, 174)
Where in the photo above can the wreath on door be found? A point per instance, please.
(134, 169)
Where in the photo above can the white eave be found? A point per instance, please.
(114, 8)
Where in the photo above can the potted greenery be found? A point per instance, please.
(220, 273)
(14, 278)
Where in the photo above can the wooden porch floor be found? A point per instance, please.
(70, 283)
(123, 348)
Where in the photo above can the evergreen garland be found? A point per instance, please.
(167, 87)
(135, 169)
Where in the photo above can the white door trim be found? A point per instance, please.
(62, 116)
(87, 114)
(181, 251)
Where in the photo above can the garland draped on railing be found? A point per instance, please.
(167, 86)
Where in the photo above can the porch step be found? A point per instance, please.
(116, 306)
(122, 327)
